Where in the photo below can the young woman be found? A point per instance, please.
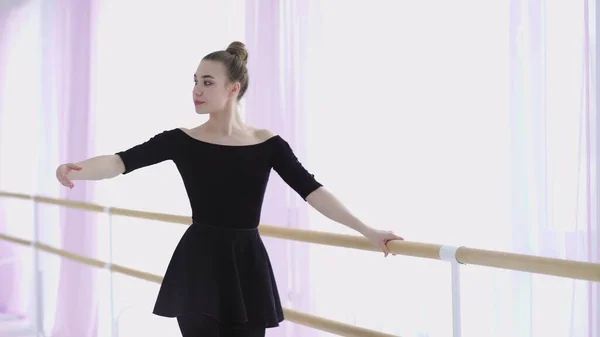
(219, 281)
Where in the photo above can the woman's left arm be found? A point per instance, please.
(327, 204)
(304, 183)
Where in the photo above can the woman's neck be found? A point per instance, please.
(226, 122)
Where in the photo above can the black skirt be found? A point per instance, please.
(223, 273)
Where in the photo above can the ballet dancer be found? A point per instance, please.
(219, 281)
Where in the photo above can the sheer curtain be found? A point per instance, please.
(460, 123)
(276, 37)
(44, 121)
(554, 195)
(19, 42)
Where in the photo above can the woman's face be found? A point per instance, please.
(212, 89)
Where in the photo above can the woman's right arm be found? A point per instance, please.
(161, 147)
(96, 168)
(99, 168)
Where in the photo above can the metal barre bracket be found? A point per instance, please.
(448, 253)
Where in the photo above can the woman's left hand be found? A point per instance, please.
(380, 239)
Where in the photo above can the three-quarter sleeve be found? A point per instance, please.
(289, 168)
(157, 149)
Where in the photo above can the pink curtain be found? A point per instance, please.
(66, 77)
(276, 38)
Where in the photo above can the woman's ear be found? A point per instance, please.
(235, 89)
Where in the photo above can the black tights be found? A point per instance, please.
(205, 326)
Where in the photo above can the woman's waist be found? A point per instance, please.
(226, 220)
(227, 227)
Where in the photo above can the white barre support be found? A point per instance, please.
(448, 253)
(37, 272)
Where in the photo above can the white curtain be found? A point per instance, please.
(420, 103)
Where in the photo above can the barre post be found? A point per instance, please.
(448, 253)
(39, 309)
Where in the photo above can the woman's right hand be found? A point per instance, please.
(62, 173)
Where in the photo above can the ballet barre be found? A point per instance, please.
(464, 255)
(455, 255)
(291, 315)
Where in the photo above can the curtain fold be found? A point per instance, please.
(276, 34)
(554, 200)
(66, 73)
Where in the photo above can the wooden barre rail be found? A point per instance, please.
(511, 261)
(297, 317)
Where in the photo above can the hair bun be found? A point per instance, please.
(238, 49)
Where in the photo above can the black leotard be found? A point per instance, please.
(220, 267)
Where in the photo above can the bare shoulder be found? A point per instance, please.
(264, 134)
(185, 130)
(192, 132)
